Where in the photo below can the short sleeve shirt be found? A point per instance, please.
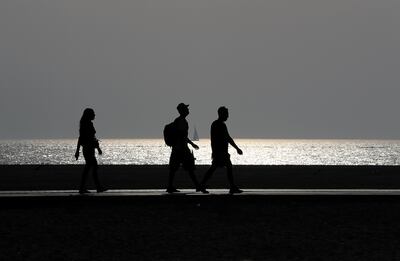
(219, 137)
(182, 128)
(87, 133)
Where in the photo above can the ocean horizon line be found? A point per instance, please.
(207, 138)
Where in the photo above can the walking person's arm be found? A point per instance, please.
(193, 145)
(98, 147)
(232, 142)
(78, 146)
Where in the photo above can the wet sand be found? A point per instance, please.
(45, 177)
(192, 227)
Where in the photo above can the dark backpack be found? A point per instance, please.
(170, 134)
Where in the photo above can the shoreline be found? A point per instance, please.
(67, 177)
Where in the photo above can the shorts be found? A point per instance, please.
(184, 157)
(89, 155)
(221, 160)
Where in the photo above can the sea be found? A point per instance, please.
(255, 152)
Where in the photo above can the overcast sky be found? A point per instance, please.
(284, 68)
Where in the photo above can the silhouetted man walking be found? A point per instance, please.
(180, 151)
(220, 139)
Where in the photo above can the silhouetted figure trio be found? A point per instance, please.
(176, 136)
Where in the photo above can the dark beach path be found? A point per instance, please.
(193, 227)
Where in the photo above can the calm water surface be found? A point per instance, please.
(256, 152)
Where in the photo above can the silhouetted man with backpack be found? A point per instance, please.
(220, 139)
(176, 136)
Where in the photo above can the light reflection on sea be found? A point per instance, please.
(255, 152)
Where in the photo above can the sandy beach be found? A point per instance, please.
(42, 177)
(192, 227)
(200, 228)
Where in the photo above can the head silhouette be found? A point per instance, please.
(183, 109)
(223, 113)
(88, 115)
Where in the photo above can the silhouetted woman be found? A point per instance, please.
(87, 139)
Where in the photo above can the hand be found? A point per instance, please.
(195, 146)
(77, 155)
(239, 151)
(100, 151)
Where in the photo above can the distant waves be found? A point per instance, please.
(255, 152)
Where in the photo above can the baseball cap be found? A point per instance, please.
(182, 106)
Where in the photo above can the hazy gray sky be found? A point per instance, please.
(284, 68)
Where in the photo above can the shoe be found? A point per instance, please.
(202, 190)
(172, 190)
(101, 190)
(235, 190)
(83, 191)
